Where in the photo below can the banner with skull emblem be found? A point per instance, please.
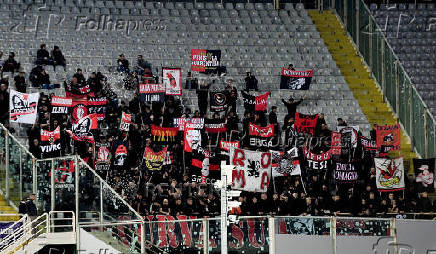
(296, 80)
(23, 107)
(120, 154)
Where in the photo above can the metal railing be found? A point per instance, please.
(249, 234)
(396, 85)
(25, 233)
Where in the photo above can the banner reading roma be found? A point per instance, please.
(389, 174)
(316, 161)
(305, 123)
(50, 143)
(261, 136)
(163, 134)
(424, 172)
(252, 170)
(23, 107)
(255, 103)
(151, 92)
(389, 136)
(154, 160)
(207, 61)
(172, 79)
(296, 80)
(219, 101)
(60, 105)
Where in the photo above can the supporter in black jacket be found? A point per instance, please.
(10, 65)
(79, 75)
(123, 64)
(58, 58)
(291, 105)
(251, 82)
(202, 93)
(42, 56)
(4, 103)
(20, 82)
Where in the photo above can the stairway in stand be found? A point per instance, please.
(358, 77)
(10, 214)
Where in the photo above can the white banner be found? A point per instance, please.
(23, 107)
(285, 163)
(172, 79)
(389, 174)
(252, 170)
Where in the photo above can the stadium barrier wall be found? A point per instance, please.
(396, 85)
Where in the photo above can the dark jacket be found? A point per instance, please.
(42, 53)
(31, 208)
(292, 107)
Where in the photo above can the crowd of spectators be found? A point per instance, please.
(176, 189)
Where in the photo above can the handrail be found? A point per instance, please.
(396, 57)
(52, 219)
(109, 187)
(25, 233)
(24, 219)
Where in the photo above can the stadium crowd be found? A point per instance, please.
(176, 189)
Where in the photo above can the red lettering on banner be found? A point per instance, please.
(162, 232)
(265, 164)
(238, 235)
(265, 181)
(150, 226)
(186, 230)
(282, 227)
(171, 235)
(239, 175)
(238, 160)
(252, 234)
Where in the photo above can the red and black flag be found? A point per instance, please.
(296, 80)
(206, 61)
(305, 123)
(60, 105)
(83, 129)
(388, 137)
(97, 105)
(51, 143)
(255, 103)
(215, 125)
